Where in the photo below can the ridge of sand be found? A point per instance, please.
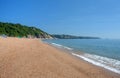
(31, 58)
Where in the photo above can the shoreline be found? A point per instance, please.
(78, 55)
(81, 55)
(31, 58)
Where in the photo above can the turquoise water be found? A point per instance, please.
(102, 52)
(107, 48)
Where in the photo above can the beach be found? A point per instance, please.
(32, 58)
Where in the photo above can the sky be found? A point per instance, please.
(99, 18)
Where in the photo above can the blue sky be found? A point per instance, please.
(76, 17)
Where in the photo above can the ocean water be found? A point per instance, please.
(101, 52)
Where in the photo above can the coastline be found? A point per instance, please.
(110, 64)
(32, 58)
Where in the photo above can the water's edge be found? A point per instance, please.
(98, 63)
(107, 63)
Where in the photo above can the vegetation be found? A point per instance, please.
(73, 37)
(18, 30)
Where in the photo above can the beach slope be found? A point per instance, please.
(31, 58)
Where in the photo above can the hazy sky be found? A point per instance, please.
(77, 17)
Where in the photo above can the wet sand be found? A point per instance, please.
(31, 58)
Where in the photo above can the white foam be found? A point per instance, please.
(100, 62)
(104, 60)
(61, 46)
(57, 44)
(68, 48)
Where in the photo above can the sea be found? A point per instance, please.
(101, 52)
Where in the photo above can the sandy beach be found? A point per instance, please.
(31, 58)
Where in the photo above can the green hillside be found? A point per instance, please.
(18, 30)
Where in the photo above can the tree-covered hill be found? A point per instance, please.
(18, 30)
(63, 36)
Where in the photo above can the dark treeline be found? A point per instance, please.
(18, 30)
(63, 36)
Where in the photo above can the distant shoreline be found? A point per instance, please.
(64, 36)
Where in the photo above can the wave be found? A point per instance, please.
(61, 46)
(107, 63)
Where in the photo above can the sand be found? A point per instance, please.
(31, 58)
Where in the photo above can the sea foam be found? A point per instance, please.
(107, 63)
(61, 46)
